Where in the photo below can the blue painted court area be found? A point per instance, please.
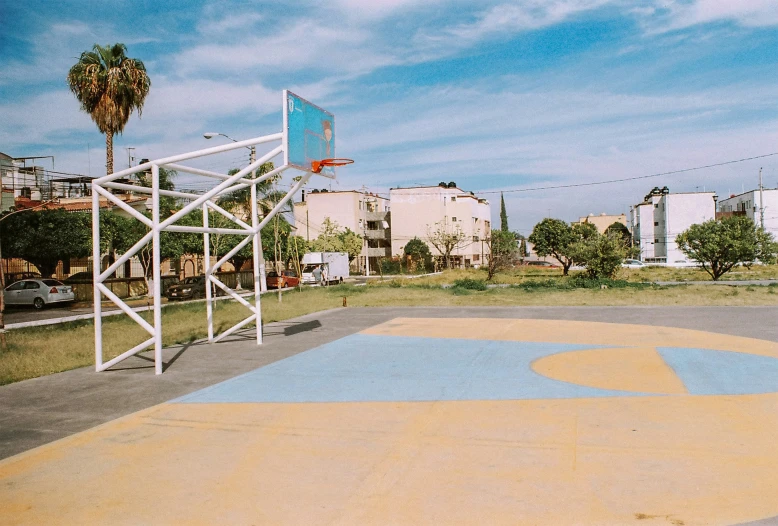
(367, 368)
(708, 372)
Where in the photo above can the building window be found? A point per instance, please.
(656, 240)
(475, 238)
(476, 257)
(656, 205)
(656, 223)
(454, 219)
(487, 224)
(360, 205)
(373, 225)
(453, 198)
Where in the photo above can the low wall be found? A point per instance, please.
(122, 287)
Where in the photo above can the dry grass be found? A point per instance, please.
(44, 350)
(698, 274)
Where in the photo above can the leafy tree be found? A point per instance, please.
(523, 248)
(46, 237)
(109, 86)
(328, 238)
(296, 247)
(502, 247)
(554, 237)
(173, 245)
(601, 254)
(419, 253)
(503, 215)
(334, 238)
(351, 243)
(719, 245)
(446, 239)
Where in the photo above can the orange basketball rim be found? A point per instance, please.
(318, 166)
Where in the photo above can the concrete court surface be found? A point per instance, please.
(409, 416)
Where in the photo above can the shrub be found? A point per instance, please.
(470, 284)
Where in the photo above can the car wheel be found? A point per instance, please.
(38, 303)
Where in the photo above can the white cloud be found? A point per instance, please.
(305, 45)
(669, 16)
(229, 22)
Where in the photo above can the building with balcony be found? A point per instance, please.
(761, 207)
(420, 211)
(661, 216)
(364, 213)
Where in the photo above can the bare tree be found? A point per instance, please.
(446, 238)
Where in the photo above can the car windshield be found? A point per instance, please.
(272, 274)
(52, 282)
(189, 281)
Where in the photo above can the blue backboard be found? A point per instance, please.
(309, 132)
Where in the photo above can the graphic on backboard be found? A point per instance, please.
(310, 134)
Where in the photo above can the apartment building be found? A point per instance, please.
(416, 212)
(364, 213)
(603, 221)
(761, 207)
(661, 216)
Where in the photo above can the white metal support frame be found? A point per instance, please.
(202, 201)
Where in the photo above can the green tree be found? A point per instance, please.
(173, 245)
(328, 240)
(554, 237)
(109, 86)
(351, 243)
(523, 248)
(502, 247)
(296, 247)
(601, 254)
(419, 253)
(503, 215)
(46, 237)
(719, 245)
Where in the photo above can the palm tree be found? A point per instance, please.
(109, 86)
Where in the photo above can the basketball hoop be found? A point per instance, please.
(318, 166)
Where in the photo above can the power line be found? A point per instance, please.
(625, 179)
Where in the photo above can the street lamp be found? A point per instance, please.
(253, 149)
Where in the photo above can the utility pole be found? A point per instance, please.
(364, 232)
(129, 157)
(761, 200)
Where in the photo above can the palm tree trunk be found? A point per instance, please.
(108, 153)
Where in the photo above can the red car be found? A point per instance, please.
(288, 278)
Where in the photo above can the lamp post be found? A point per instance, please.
(252, 159)
(211, 135)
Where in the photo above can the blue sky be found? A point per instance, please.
(493, 95)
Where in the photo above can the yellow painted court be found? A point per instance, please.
(439, 421)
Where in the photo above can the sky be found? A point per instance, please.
(496, 96)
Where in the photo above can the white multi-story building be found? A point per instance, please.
(761, 207)
(364, 213)
(419, 211)
(662, 216)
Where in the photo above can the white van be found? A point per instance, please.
(334, 265)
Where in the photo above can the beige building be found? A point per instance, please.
(416, 212)
(603, 221)
(364, 213)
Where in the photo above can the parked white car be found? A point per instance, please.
(632, 263)
(38, 292)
